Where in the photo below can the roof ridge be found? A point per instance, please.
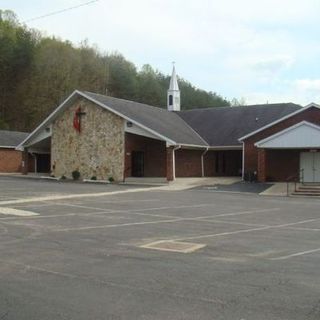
(244, 106)
(126, 100)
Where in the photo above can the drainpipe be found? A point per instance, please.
(35, 162)
(202, 164)
(242, 173)
(174, 161)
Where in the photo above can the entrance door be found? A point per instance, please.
(137, 164)
(43, 163)
(310, 164)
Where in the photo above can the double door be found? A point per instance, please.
(310, 166)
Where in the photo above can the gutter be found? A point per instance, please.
(202, 164)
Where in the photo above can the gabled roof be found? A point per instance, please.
(164, 124)
(270, 124)
(213, 127)
(10, 139)
(301, 135)
(225, 125)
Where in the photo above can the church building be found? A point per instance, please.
(102, 136)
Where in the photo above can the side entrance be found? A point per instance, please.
(137, 165)
(310, 166)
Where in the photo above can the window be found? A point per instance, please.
(170, 100)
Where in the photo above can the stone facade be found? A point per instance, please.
(98, 150)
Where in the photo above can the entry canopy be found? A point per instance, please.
(303, 135)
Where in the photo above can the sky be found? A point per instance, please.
(260, 51)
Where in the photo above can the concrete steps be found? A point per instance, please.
(310, 190)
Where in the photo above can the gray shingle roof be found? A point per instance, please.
(164, 122)
(224, 126)
(11, 138)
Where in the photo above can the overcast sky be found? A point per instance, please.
(259, 50)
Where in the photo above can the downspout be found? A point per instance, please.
(242, 173)
(174, 160)
(35, 162)
(202, 164)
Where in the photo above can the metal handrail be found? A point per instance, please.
(296, 179)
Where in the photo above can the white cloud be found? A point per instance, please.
(308, 84)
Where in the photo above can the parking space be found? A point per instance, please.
(112, 252)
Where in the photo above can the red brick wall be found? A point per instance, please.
(282, 164)
(229, 163)
(155, 155)
(188, 163)
(251, 152)
(10, 160)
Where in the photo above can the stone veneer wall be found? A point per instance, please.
(97, 151)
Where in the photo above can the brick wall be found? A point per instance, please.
(10, 160)
(251, 152)
(188, 163)
(216, 163)
(281, 164)
(155, 155)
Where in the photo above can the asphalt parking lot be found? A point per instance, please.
(76, 251)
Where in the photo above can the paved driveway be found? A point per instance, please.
(75, 251)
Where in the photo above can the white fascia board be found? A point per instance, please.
(188, 146)
(42, 135)
(280, 133)
(162, 137)
(310, 105)
(8, 147)
(139, 131)
(46, 121)
(194, 146)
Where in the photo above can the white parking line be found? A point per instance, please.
(18, 213)
(171, 219)
(76, 196)
(296, 254)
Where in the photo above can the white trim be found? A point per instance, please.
(202, 162)
(46, 121)
(194, 146)
(162, 137)
(302, 123)
(76, 92)
(310, 105)
(8, 147)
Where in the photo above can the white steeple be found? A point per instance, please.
(173, 95)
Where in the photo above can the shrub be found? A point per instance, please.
(63, 177)
(93, 178)
(111, 179)
(75, 175)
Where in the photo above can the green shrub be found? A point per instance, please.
(75, 175)
(93, 178)
(111, 179)
(63, 177)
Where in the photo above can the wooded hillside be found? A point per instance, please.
(37, 73)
